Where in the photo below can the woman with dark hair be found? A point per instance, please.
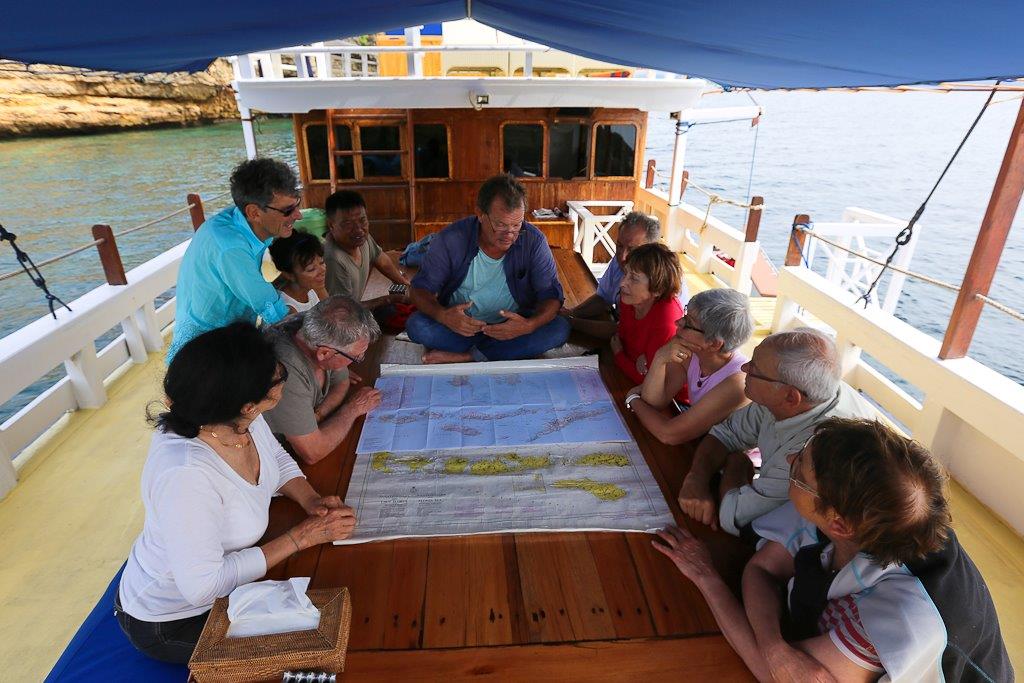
(212, 468)
(300, 258)
(648, 307)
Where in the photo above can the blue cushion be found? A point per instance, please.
(101, 652)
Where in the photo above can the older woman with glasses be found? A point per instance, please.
(701, 361)
(213, 467)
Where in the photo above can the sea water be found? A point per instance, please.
(815, 153)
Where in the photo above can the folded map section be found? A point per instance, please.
(578, 487)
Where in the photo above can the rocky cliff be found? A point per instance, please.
(52, 100)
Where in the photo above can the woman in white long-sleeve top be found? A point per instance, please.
(212, 468)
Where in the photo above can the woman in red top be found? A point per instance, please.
(648, 308)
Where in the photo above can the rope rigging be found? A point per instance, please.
(32, 271)
(905, 235)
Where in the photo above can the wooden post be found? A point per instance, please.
(113, 269)
(683, 181)
(332, 162)
(197, 213)
(988, 246)
(753, 219)
(795, 253)
(649, 181)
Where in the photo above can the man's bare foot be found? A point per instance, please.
(435, 357)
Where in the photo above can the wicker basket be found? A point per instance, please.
(219, 658)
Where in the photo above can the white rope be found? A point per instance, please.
(715, 198)
(1013, 313)
(1001, 307)
(919, 276)
(95, 243)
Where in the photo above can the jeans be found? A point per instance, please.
(425, 330)
(168, 641)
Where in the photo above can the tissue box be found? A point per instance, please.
(219, 658)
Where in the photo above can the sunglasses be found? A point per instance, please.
(284, 212)
(687, 325)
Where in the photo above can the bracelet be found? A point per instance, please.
(629, 399)
(289, 534)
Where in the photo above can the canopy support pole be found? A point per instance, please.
(988, 246)
(243, 69)
(678, 157)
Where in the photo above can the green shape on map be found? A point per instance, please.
(603, 460)
(455, 465)
(602, 491)
(379, 462)
(414, 463)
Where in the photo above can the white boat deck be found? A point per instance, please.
(69, 524)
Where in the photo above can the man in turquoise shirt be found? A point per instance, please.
(221, 280)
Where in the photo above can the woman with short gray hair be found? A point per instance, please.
(700, 366)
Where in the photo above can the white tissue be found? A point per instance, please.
(266, 607)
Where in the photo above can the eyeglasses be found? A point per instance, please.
(284, 212)
(353, 359)
(756, 375)
(795, 466)
(687, 325)
(502, 229)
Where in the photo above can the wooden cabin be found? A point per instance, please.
(420, 169)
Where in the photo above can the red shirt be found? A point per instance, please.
(644, 337)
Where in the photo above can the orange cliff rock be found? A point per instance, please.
(53, 100)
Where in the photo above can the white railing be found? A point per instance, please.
(853, 274)
(705, 241)
(971, 416)
(321, 57)
(33, 351)
(590, 229)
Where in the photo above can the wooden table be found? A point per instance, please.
(585, 606)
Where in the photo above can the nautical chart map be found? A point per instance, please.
(477, 491)
(482, 448)
(439, 411)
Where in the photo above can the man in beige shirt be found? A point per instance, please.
(350, 250)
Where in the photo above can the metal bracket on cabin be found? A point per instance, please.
(32, 271)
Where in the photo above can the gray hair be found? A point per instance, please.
(808, 360)
(338, 321)
(724, 315)
(639, 219)
(255, 182)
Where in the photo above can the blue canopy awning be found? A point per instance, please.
(793, 44)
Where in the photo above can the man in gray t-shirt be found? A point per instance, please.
(350, 250)
(793, 381)
(316, 347)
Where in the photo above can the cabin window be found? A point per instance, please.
(522, 147)
(379, 139)
(614, 149)
(568, 144)
(431, 150)
(318, 153)
(344, 166)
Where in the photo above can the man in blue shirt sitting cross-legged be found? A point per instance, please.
(488, 288)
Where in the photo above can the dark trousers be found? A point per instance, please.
(168, 641)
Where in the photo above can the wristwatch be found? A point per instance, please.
(629, 399)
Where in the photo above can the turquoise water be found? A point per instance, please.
(816, 153)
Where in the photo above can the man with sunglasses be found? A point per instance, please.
(793, 382)
(859, 575)
(220, 280)
(488, 288)
(317, 347)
